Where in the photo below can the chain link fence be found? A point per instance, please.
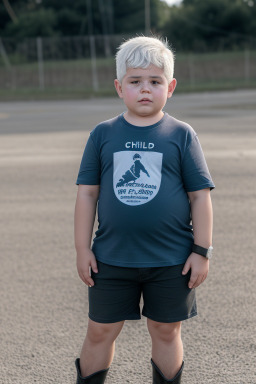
(86, 64)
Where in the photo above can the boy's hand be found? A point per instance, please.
(199, 266)
(86, 261)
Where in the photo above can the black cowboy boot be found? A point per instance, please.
(95, 378)
(158, 377)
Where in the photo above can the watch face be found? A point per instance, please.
(209, 252)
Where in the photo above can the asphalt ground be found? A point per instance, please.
(43, 302)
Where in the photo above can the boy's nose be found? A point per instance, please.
(145, 87)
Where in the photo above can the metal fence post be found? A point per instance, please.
(191, 70)
(246, 65)
(4, 55)
(40, 59)
(147, 17)
(95, 83)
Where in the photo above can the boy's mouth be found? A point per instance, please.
(145, 100)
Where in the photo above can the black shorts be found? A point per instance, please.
(117, 292)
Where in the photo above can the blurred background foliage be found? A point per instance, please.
(64, 49)
(193, 25)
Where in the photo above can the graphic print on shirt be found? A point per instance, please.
(137, 176)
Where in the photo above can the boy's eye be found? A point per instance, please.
(154, 82)
(135, 82)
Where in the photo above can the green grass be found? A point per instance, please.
(28, 94)
(217, 56)
(73, 78)
(220, 85)
(62, 64)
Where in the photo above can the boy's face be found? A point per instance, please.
(145, 91)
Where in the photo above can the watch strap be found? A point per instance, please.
(199, 250)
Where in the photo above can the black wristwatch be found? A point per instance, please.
(206, 252)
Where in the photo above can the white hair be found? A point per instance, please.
(141, 52)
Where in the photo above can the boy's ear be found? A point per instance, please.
(118, 87)
(171, 88)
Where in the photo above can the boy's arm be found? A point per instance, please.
(201, 211)
(85, 209)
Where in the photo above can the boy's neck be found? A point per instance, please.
(143, 121)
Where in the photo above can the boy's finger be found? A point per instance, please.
(197, 282)
(202, 279)
(89, 282)
(94, 266)
(86, 278)
(185, 269)
(192, 281)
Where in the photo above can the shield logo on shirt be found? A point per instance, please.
(137, 176)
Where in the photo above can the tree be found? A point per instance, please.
(211, 24)
(130, 15)
(108, 16)
(32, 24)
(9, 10)
(194, 25)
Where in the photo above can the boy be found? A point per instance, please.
(147, 172)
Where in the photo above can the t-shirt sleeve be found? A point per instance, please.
(89, 172)
(195, 173)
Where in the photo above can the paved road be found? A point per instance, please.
(44, 304)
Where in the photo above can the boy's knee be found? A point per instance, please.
(165, 332)
(100, 332)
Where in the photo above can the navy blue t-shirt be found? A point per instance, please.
(144, 175)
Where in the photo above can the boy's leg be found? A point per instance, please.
(167, 347)
(99, 345)
(167, 298)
